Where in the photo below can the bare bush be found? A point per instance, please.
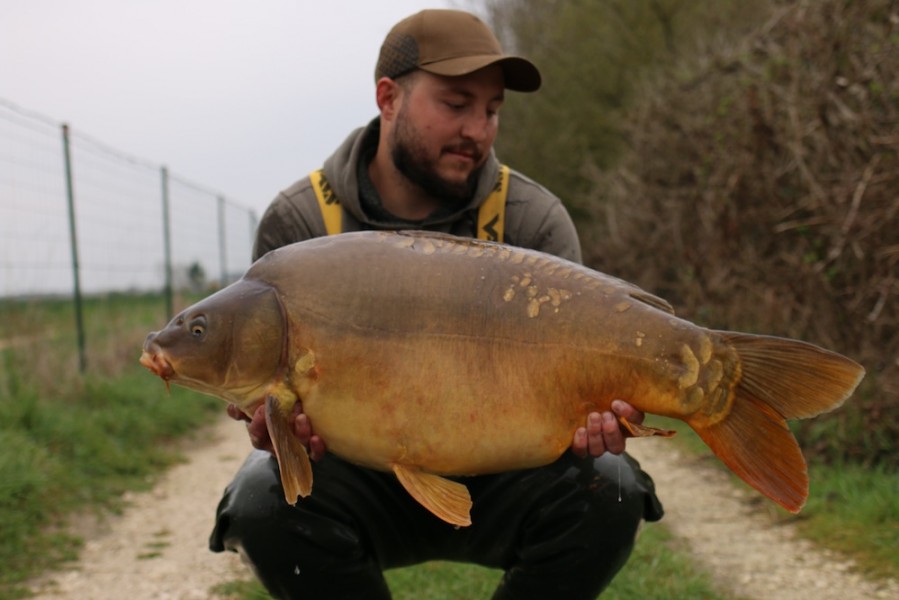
(761, 192)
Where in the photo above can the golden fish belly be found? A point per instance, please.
(452, 406)
(464, 405)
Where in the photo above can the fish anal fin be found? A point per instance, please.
(755, 442)
(638, 430)
(447, 499)
(293, 461)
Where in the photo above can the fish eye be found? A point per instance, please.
(197, 326)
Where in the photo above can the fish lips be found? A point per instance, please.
(152, 358)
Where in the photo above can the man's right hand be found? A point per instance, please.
(258, 430)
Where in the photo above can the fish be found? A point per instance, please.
(438, 357)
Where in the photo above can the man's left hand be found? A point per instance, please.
(603, 433)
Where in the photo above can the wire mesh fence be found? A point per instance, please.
(79, 218)
(118, 217)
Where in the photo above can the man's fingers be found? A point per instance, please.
(595, 428)
(236, 414)
(258, 431)
(579, 443)
(626, 410)
(603, 433)
(316, 448)
(302, 428)
(612, 436)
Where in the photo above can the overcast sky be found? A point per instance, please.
(242, 97)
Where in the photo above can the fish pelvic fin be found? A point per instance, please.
(780, 379)
(447, 499)
(293, 461)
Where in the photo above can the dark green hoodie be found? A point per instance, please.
(534, 217)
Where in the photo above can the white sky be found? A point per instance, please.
(239, 96)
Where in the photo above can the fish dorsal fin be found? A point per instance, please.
(651, 299)
(447, 499)
(293, 461)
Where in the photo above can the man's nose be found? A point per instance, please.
(477, 128)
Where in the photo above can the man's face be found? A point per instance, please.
(444, 130)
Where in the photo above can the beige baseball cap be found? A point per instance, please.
(451, 43)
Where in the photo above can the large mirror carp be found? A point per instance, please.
(432, 356)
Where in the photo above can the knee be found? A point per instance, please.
(254, 519)
(249, 504)
(598, 506)
(619, 480)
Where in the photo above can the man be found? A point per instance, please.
(427, 162)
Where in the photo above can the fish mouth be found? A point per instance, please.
(157, 364)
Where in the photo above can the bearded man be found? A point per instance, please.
(427, 162)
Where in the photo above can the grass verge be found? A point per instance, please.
(855, 510)
(72, 444)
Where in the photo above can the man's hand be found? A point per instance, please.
(258, 430)
(603, 432)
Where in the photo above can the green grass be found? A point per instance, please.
(78, 451)
(659, 569)
(71, 443)
(855, 510)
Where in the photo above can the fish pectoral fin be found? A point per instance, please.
(637, 430)
(445, 498)
(293, 461)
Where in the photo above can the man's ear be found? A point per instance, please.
(388, 95)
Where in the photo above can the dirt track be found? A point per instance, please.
(157, 549)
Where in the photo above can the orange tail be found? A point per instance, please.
(781, 379)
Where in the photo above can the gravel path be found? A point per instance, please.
(737, 542)
(157, 549)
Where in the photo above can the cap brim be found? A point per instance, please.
(520, 74)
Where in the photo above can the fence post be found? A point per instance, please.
(253, 225)
(73, 237)
(222, 243)
(167, 246)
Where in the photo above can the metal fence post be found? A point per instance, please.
(167, 246)
(73, 237)
(222, 243)
(253, 225)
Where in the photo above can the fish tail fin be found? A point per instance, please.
(293, 460)
(780, 379)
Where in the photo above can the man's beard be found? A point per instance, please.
(410, 159)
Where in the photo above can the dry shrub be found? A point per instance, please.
(761, 193)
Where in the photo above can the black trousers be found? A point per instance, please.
(559, 531)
